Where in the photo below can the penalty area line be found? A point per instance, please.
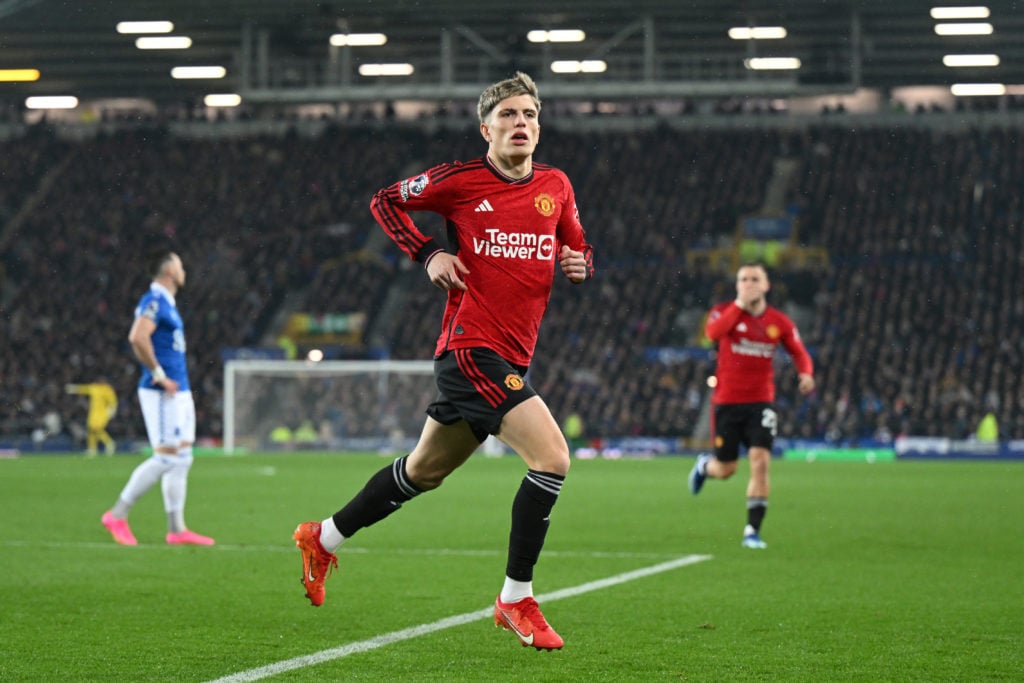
(449, 622)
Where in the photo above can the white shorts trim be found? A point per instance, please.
(170, 420)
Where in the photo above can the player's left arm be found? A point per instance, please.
(576, 255)
(801, 359)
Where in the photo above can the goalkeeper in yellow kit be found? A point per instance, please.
(102, 408)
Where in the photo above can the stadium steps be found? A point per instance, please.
(783, 172)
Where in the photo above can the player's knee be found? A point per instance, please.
(427, 483)
(759, 458)
(554, 466)
(554, 460)
(726, 469)
(426, 476)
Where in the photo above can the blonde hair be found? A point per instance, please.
(519, 84)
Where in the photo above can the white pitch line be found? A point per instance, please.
(449, 622)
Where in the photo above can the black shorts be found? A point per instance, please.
(750, 424)
(478, 386)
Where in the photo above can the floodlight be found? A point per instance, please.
(757, 32)
(977, 89)
(980, 28)
(144, 27)
(163, 43)
(971, 60)
(358, 39)
(51, 102)
(772, 63)
(198, 72)
(960, 13)
(386, 69)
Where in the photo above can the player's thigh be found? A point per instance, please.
(96, 423)
(531, 431)
(760, 458)
(728, 432)
(478, 386)
(170, 419)
(760, 426)
(440, 450)
(187, 416)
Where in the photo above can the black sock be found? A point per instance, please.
(383, 494)
(756, 510)
(530, 511)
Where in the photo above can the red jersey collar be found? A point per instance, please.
(505, 178)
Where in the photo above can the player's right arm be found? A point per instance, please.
(391, 206)
(446, 270)
(141, 338)
(721, 320)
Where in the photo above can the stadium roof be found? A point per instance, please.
(279, 51)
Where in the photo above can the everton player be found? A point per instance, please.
(748, 331)
(511, 223)
(157, 337)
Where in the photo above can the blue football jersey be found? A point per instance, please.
(168, 339)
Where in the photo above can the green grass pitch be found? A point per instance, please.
(906, 571)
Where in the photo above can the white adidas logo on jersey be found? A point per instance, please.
(484, 206)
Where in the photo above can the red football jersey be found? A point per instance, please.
(746, 345)
(506, 231)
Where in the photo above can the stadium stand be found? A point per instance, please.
(914, 326)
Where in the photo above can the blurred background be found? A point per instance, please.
(869, 152)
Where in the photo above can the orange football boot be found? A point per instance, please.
(316, 562)
(525, 620)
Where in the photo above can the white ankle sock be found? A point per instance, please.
(514, 591)
(330, 537)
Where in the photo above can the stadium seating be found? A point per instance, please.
(915, 327)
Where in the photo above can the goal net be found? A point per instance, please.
(329, 405)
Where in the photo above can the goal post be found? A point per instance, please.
(327, 405)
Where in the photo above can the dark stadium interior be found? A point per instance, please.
(277, 50)
(912, 318)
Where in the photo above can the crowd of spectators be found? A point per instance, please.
(915, 328)
(248, 216)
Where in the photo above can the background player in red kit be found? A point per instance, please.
(510, 221)
(748, 331)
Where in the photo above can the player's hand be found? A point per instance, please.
(446, 270)
(169, 386)
(806, 383)
(574, 264)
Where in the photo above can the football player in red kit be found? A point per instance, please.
(511, 223)
(748, 331)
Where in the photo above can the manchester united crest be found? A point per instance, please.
(773, 332)
(513, 382)
(545, 204)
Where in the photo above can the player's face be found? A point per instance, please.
(176, 271)
(513, 128)
(751, 283)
